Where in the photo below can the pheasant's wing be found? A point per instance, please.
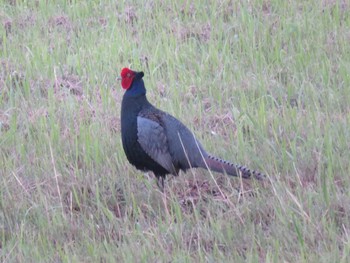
(152, 138)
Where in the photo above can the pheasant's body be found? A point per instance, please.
(155, 141)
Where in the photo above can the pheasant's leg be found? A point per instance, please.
(160, 182)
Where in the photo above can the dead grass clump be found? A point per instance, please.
(61, 22)
(129, 15)
(11, 75)
(71, 82)
(200, 32)
(4, 121)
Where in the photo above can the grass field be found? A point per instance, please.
(261, 83)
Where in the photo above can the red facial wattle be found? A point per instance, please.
(127, 76)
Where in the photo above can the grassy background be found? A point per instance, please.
(262, 83)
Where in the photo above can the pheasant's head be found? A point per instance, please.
(127, 76)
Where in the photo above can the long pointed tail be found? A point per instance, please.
(222, 166)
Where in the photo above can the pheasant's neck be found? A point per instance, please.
(137, 88)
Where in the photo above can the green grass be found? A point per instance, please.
(262, 83)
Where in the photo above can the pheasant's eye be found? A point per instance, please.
(128, 75)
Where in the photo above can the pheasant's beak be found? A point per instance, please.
(119, 78)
